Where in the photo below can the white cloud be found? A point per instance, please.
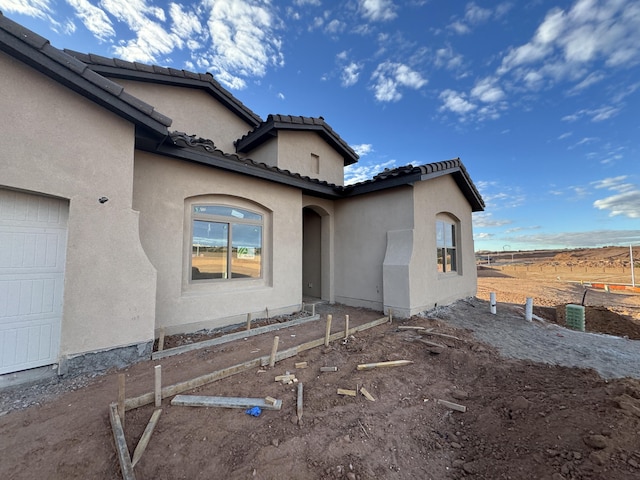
(487, 91)
(280, 96)
(455, 102)
(93, 18)
(565, 135)
(591, 79)
(363, 149)
(243, 41)
(389, 77)
(486, 220)
(475, 15)
(626, 204)
(378, 10)
(614, 183)
(32, 8)
(596, 114)
(350, 74)
(594, 238)
(359, 173)
(447, 58)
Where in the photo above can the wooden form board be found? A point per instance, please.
(224, 402)
(121, 443)
(169, 391)
(231, 337)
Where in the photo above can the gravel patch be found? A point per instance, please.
(539, 341)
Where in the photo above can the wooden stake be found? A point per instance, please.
(390, 315)
(301, 365)
(274, 350)
(270, 400)
(146, 436)
(161, 340)
(327, 333)
(408, 327)
(121, 397)
(346, 327)
(328, 369)
(452, 406)
(299, 402)
(158, 385)
(367, 395)
(121, 443)
(313, 309)
(393, 363)
(267, 310)
(248, 321)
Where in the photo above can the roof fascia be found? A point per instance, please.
(393, 182)
(116, 72)
(72, 80)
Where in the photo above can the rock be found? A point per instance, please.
(633, 463)
(470, 467)
(294, 419)
(596, 441)
(460, 395)
(275, 442)
(520, 403)
(457, 463)
(455, 445)
(351, 476)
(599, 457)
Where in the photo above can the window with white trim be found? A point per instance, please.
(226, 243)
(446, 252)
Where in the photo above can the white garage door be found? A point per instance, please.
(33, 235)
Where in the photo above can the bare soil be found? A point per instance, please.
(525, 418)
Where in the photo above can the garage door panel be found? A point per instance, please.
(32, 259)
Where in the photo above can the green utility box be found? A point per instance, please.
(575, 317)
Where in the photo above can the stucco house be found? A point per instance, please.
(135, 197)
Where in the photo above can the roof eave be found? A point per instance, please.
(124, 74)
(45, 65)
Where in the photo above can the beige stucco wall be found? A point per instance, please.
(362, 223)
(433, 197)
(165, 191)
(386, 248)
(193, 111)
(294, 154)
(57, 143)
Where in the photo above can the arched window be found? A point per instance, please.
(226, 243)
(446, 246)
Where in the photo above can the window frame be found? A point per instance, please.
(229, 220)
(447, 246)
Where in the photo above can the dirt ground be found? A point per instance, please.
(523, 419)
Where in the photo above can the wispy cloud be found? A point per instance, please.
(350, 74)
(93, 18)
(593, 238)
(486, 220)
(32, 8)
(359, 172)
(475, 15)
(626, 200)
(390, 77)
(362, 149)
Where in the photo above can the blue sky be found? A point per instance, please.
(540, 99)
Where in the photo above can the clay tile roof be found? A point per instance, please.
(408, 174)
(269, 128)
(116, 68)
(37, 52)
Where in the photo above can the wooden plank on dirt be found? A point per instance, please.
(435, 334)
(409, 327)
(177, 388)
(301, 365)
(224, 402)
(121, 443)
(274, 350)
(158, 385)
(452, 406)
(146, 436)
(432, 344)
(230, 337)
(350, 393)
(121, 397)
(327, 332)
(392, 363)
(328, 369)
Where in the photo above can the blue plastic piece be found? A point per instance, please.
(253, 411)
